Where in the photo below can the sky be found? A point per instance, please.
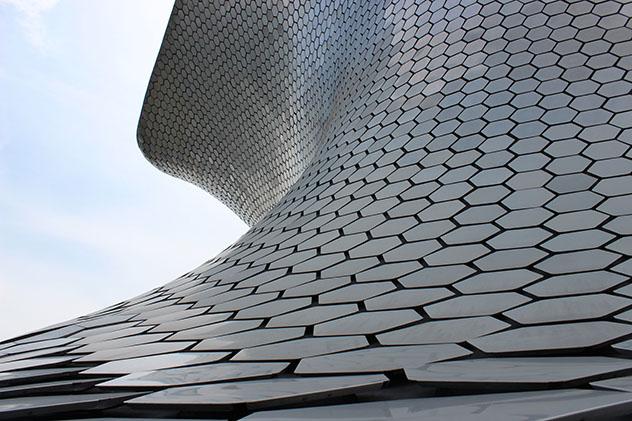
(85, 220)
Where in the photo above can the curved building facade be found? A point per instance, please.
(440, 201)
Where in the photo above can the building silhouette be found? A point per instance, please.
(440, 201)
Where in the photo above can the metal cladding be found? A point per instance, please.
(440, 196)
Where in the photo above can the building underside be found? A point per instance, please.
(440, 201)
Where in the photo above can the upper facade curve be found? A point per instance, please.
(242, 94)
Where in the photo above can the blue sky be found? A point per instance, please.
(85, 220)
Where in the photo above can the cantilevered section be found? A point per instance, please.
(242, 94)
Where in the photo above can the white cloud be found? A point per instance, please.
(29, 305)
(31, 14)
(136, 248)
(85, 220)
